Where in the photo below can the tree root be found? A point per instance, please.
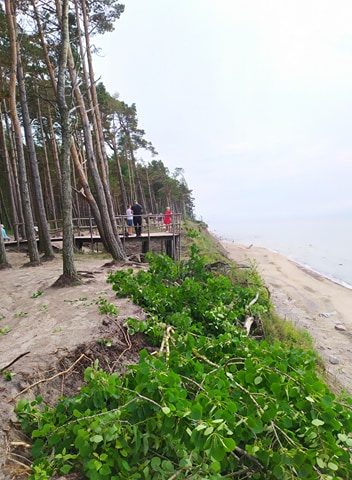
(13, 361)
(67, 281)
(31, 264)
(50, 378)
(5, 266)
(47, 258)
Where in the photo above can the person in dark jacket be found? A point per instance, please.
(137, 218)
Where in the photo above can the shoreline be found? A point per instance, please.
(310, 301)
(304, 266)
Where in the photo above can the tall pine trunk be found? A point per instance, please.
(69, 275)
(50, 190)
(119, 176)
(14, 170)
(44, 234)
(10, 178)
(26, 203)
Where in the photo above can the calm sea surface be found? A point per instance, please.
(325, 245)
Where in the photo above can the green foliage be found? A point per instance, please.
(107, 308)
(192, 233)
(283, 330)
(8, 375)
(187, 296)
(275, 328)
(196, 234)
(212, 403)
(37, 294)
(5, 329)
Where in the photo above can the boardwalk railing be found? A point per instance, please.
(150, 224)
(153, 227)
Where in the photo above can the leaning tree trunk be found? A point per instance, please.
(113, 241)
(44, 235)
(97, 121)
(69, 275)
(26, 204)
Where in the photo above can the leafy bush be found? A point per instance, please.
(211, 403)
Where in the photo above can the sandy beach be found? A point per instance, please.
(311, 302)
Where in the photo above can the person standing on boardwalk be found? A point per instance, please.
(167, 218)
(4, 234)
(129, 219)
(137, 218)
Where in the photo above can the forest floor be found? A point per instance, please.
(57, 327)
(312, 303)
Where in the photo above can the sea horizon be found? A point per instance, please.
(319, 244)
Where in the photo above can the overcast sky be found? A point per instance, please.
(253, 98)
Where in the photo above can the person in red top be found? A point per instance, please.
(167, 218)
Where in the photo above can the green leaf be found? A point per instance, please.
(155, 463)
(321, 463)
(217, 450)
(166, 410)
(333, 466)
(96, 438)
(200, 427)
(196, 412)
(318, 423)
(258, 380)
(167, 466)
(65, 469)
(208, 431)
(229, 443)
(215, 466)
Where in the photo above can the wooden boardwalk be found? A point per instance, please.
(97, 239)
(170, 240)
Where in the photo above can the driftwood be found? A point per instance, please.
(248, 324)
(252, 302)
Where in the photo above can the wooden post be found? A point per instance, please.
(124, 230)
(91, 231)
(179, 237)
(173, 239)
(148, 244)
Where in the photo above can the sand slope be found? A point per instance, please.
(310, 301)
(51, 327)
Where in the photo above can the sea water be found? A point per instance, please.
(322, 244)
